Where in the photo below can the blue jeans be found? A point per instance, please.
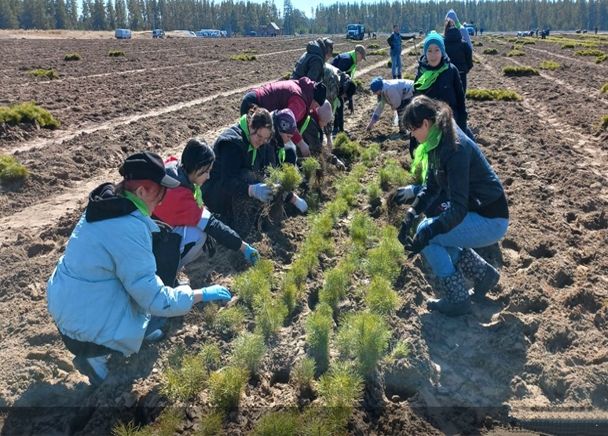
(474, 231)
(396, 65)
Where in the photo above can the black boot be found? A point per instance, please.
(455, 301)
(483, 275)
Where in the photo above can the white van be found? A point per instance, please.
(122, 33)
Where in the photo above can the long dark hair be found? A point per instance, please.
(448, 25)
(425, 108)
(259, 118)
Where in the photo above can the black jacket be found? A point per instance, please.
(462, 175)
(458, 51)
(311, 62)
(447, 88)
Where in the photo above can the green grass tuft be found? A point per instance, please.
(185, 381)
(345, 148)
(243, 57)
(589, 52)
(28, 112)
(374, 192)
(567, 45)
(254, 281)
(364, 337)
(517, 71)
(370, 153)
(116, 53)
(11, 170)
(226, 387)
(319, 326)
(248, 352)
(210, 425)
(303, 373)
(516, 52)
(50, 73)
(210, 356)
(72, 57)
(284, 423)
(286, 176)
(362, 228)
(340, 390)
(493, 94)
(380, 52)
(549, 65)
(310, 166)
(604, 122)
(386, 259)
(604, 88)
(490, 51)
(600, 59)
(400, 351)
(229, 321)
(381, 298)
(393, 174)
(373, 46)
(270, 313)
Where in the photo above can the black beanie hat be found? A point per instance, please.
(197, 154)
(320, 93)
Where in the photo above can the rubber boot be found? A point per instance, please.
(455, 301)
(483, 275)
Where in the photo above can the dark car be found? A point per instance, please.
(158, 33)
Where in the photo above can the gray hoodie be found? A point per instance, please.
(451, 15)
(311, 62)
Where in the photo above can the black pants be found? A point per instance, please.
(85, 349)
(249, 99)
(339, 119)
(463, 79)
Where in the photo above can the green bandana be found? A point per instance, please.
(138, 202)
(281, 154)
(428, 77)
(353, 68)
(251, 148)
(421, 154)
(198, 195)
(457, 24)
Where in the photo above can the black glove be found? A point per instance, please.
(421, 240)
(209, 246)
(410, 216)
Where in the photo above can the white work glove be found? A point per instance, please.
(299, 203)
(261, 191)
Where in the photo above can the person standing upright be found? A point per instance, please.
(394, 41)
(451, 15)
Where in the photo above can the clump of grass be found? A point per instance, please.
(11, 170)
(373, 46)
(374, 193)
(364, 337)
(400, 351)
(183, 382)
(210, 425)
(334, 286)
(310, 166)
(50, 73)
(604, 88)
(167, 422)
(347, 188)
(385, 260)
(517, 71)
(243, 57)
(116, 53)
(381, 298)
(600, 59)
(528, 42)
(567, 45)
(516, 52)
(412, 53)
(362, 228)
(285, 423)
(393, 174)
(286, 176)
(493, 94)
(380, 52)
(345, 148)
(490, 51)
(589, 52)
(249, 349)
(340, 390)
(28, 112)
(604, 123)
(226, 387)
(254, 281)
(370, 153)
(359, 84)
(313, 199)
(549, 65)
(478, 44)
(72, 57)
(129, 429)
(210, 356)
(290, 293)
(303, 373)
(210, 313)
(270, 313)
(319, 325)
(229, 321)
(409, 76)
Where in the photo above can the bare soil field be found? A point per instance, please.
(534, 356)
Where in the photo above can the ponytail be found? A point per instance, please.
(258, 118)
(437, 112)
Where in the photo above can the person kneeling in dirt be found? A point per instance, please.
(183, 208)
(301, 96)
(340, 89)
(236, 190)
(105, 289)
(453, 166)
(396, 92)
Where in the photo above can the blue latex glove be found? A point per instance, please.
(251, 254)
(216, 293)
(261, 191)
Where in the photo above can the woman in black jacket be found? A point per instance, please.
(458, 51)
(454, 167)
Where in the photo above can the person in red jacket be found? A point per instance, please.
(183, 208)
(301, 96)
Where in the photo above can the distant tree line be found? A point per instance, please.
(241, 17)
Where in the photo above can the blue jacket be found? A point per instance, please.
(105, 286)
(344, 62)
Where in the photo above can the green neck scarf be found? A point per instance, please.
(281, 154)
(251, 148)
(428, 77)
(457, 24)
(421, 154)
(353, 68)
(198, 195)
(305, 125)
(138, 202)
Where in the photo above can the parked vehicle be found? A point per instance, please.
(355, 31)
(158, 33)
(123, 33)
(209, 33)
(252, 33)
(182, 34)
